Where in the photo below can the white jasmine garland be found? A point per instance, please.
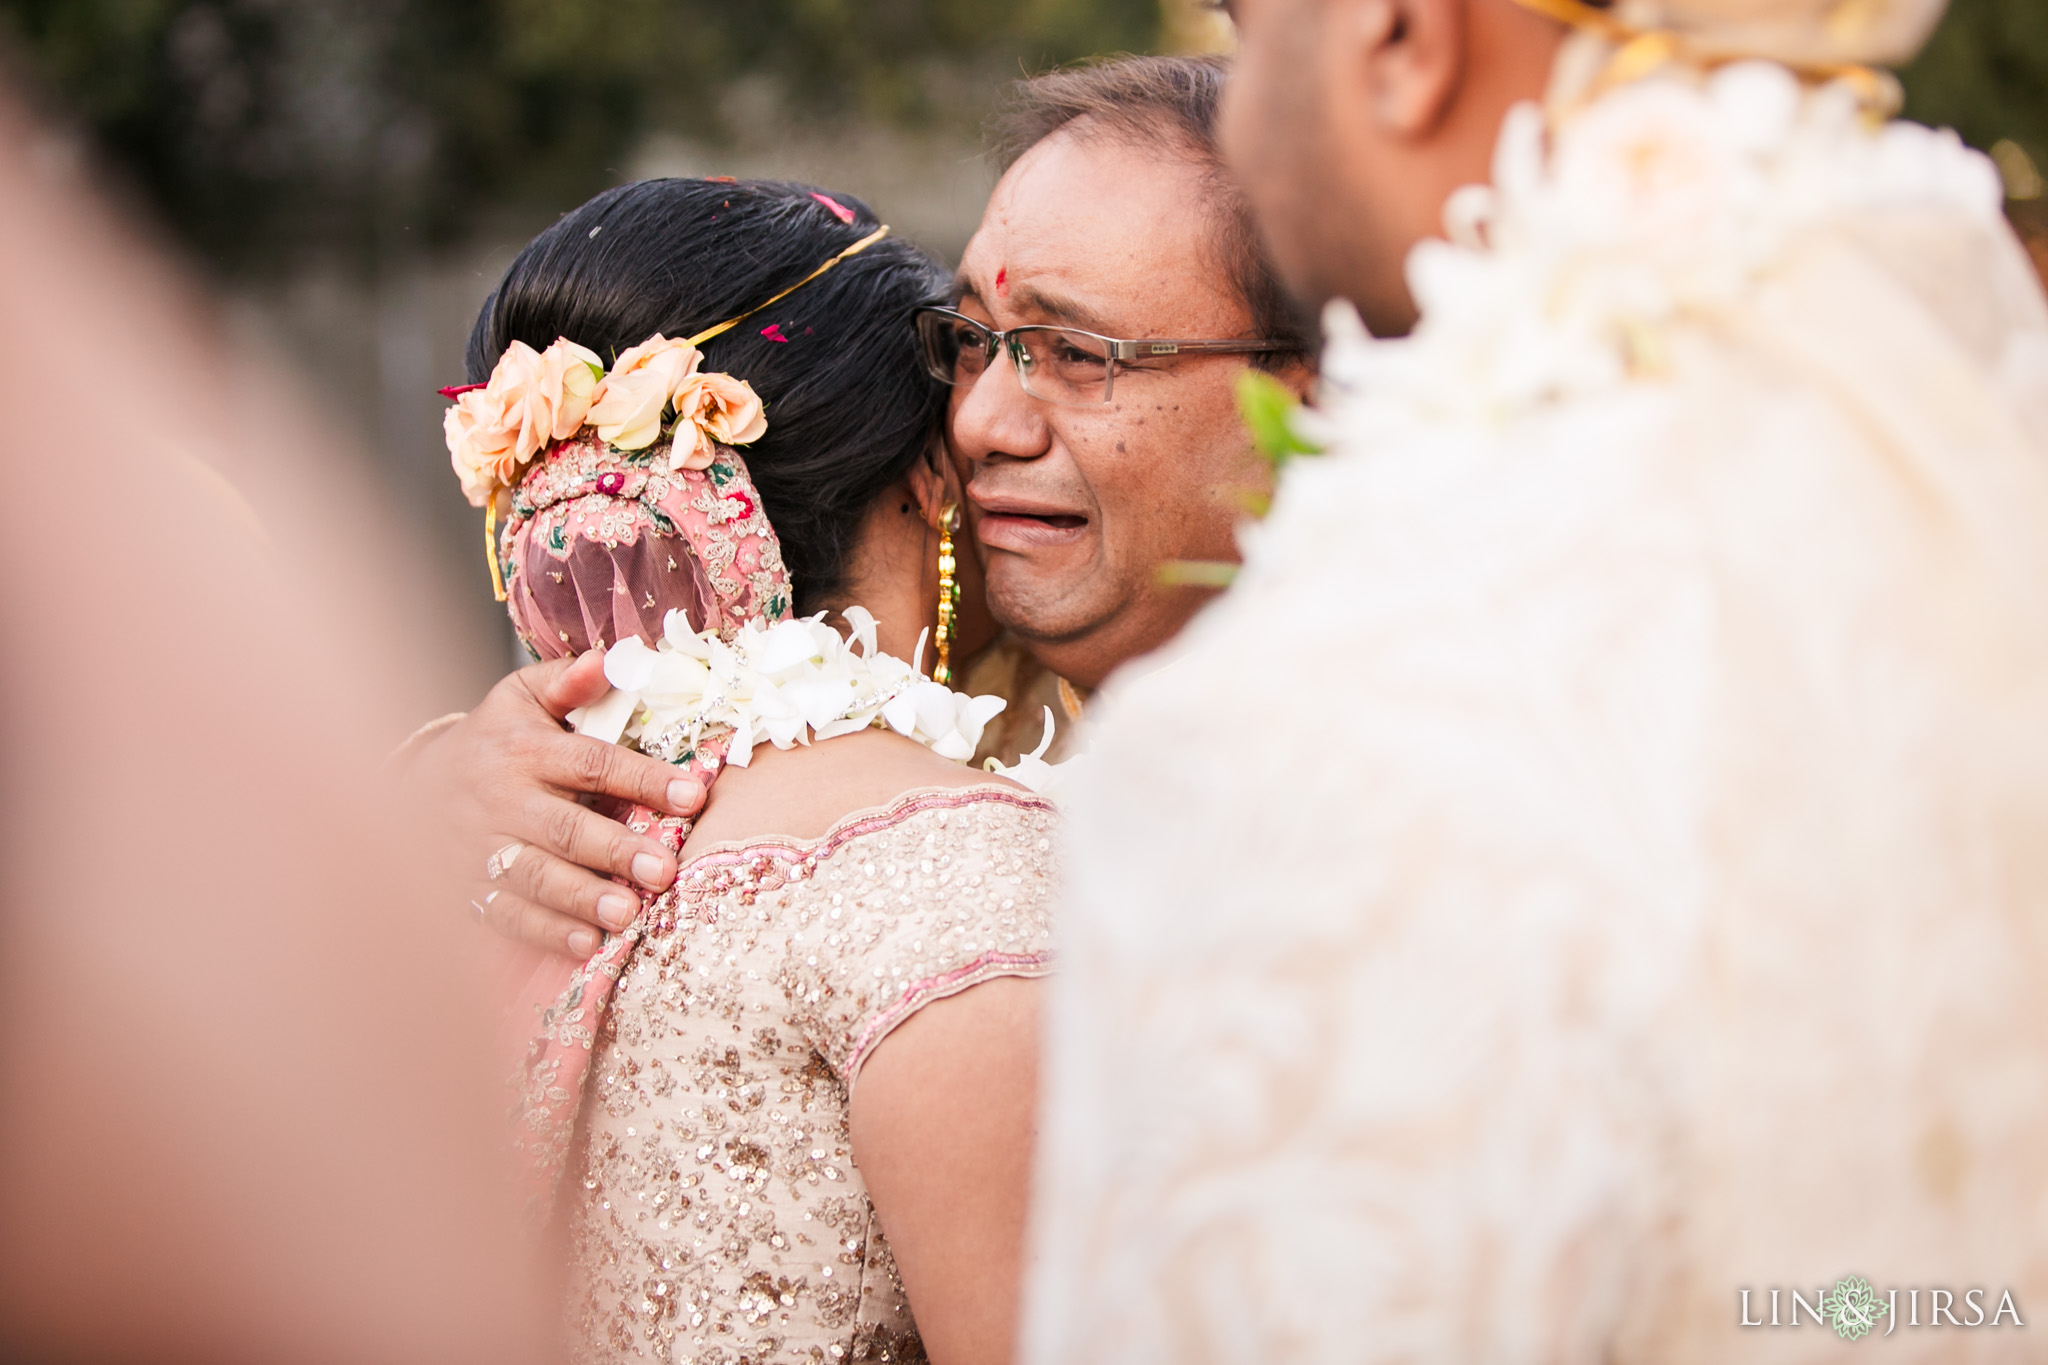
(1657, 206)
(1050, 780)
(785, 684)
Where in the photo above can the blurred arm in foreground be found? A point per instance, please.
(246, 1115)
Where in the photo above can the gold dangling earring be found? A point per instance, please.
(949, 592)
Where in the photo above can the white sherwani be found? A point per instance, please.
(1617, 875)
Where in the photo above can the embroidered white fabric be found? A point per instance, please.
(1625, 877)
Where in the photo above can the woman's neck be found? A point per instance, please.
(893, 572)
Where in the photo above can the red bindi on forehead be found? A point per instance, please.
(1003, 282)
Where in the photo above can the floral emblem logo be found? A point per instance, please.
(1852, 1307)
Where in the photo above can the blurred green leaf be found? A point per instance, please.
(1197, 573)
(1268, 407)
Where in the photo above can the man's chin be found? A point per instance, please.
(1040, 606)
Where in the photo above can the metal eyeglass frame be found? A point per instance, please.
(1118, 351)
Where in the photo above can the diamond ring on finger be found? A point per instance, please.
(499, 863)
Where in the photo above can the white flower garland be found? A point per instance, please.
(1664, 200)
(785, 684)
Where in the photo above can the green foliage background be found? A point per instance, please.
(261, 128)
(265, 128)
(1985, 74)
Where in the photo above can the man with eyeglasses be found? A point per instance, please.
(1103, 313)
(1101, 317)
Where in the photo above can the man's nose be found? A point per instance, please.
(994, 418)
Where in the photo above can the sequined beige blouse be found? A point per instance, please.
(714, 1213)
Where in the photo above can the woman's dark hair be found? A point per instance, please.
(850, 407)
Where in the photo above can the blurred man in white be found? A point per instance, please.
(1620, 877)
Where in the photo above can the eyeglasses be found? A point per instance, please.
(1058, 364)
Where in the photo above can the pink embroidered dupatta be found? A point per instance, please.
(602, 544)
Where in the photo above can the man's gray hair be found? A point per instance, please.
(1169, 102)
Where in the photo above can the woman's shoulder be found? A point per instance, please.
(936, 892)
(985, 825)
(968, 831)
(805, 793)
(919, 896)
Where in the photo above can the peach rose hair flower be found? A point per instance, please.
(534, 399)
(639, 389)
(713, 408)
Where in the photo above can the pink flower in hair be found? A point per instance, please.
(483, 435)
(714, 408)
(533, 399)
(559, 397)
(629, 405)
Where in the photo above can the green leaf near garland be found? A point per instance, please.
(1268, 407)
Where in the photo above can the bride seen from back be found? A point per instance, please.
(702, 432)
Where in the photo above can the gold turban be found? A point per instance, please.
(1806, 33)
(1811, 34)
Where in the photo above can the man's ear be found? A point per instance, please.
(1409, 56)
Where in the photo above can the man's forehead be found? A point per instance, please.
(1095, 230)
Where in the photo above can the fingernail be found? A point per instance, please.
(582, 942)
(682, 797)
(647, 870)
(615, 911)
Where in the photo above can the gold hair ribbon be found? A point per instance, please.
(862, 245)
(491, 547)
